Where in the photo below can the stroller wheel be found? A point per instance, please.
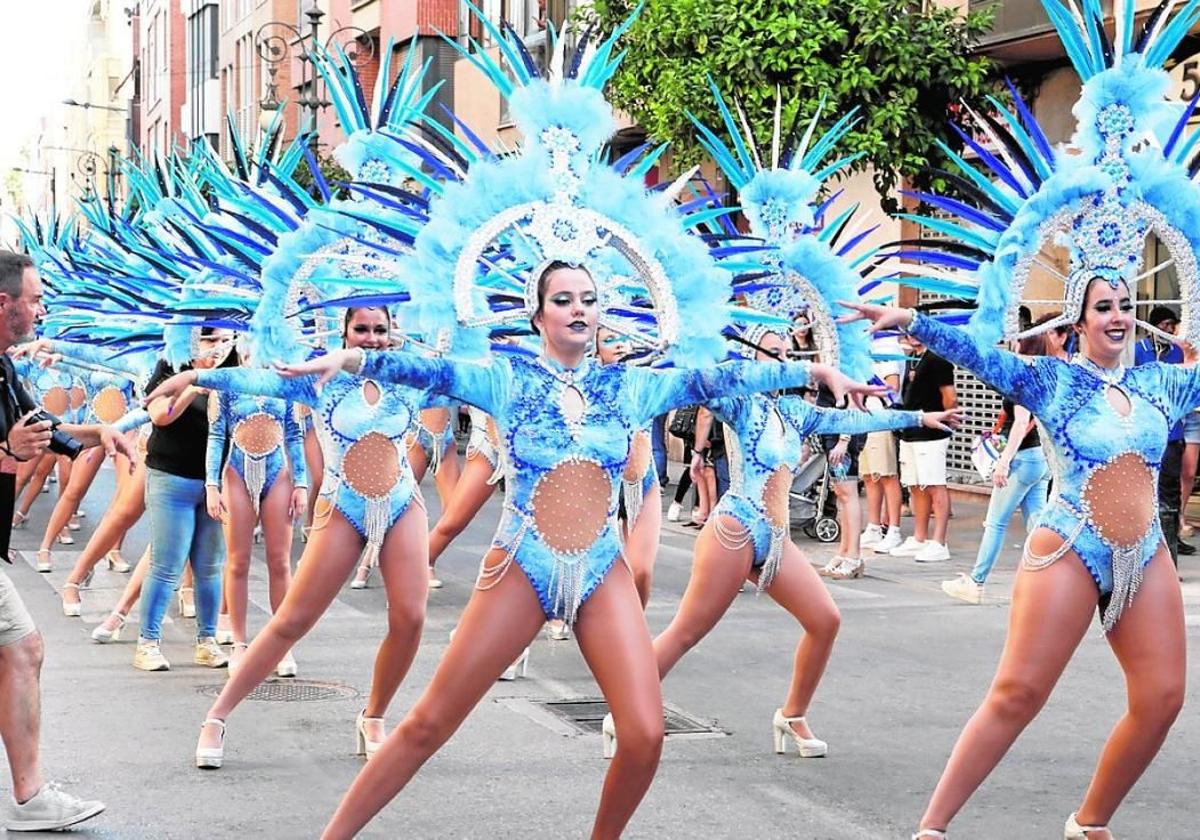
(809, 531)
(828, 530)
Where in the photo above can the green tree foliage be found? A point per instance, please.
(903, 67)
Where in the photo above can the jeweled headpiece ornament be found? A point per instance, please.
(557, 199)
(1127, 174)
(813, 262)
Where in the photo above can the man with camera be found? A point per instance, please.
(27, 431)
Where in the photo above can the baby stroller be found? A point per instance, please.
(813, 506)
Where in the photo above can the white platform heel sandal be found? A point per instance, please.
(1074, 831)
(211, 758)
(781, 728)
(518, 668)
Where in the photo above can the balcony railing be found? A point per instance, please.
(1016, 20)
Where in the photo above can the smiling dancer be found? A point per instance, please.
(1099, 541)
(565, 423)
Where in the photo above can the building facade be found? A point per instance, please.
(162, 64)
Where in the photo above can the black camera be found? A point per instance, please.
(61, 443)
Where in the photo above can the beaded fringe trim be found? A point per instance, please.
(631, 491)
(254, 471)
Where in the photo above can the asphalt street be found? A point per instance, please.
(909, 668)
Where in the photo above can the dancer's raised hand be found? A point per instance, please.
(880, 317)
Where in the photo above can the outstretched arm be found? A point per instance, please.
(658, 391)
(481, 384)
(1028, 382)
(259, 382)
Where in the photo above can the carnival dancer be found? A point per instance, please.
(565, 423)
(255, 472)
(747, 534)
(1099, 541)
(369, 496)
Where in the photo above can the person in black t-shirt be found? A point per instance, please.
(927, 385)
(181, 530)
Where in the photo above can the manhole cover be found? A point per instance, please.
(588, 716)
(291, 691)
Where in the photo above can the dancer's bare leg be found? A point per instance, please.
(717, 578)
(127, 508)
(239, 521)
(277, 539)
(470, 494)
(449, 471)
(69, 498)
(615, 642)
(641, 542)
(497, 624)
(1151, 646)
(404, 565)
(334, 546)
(133, 591)
(1051, 610)
(33, 486)
(799, 589)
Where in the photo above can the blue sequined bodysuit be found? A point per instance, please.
(765, 435)
(433, 431)
(361, 425)
(1105, 499)
(484, 441)
(565, 435)
(260, 432)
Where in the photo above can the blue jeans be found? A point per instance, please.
(658, 445)
(721, 465)
(180, 529)
(1027, 488)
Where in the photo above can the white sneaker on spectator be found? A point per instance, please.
(833, 565)
(964, 588)
(51, 809)
(907, 548)
(932, 552)
(890, 540)
(674, 512)
(870, 536)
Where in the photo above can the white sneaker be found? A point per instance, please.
(964, 588)
(833, 565)
(932, 552)
(674, 512)
(888, 541)
(51, 809)
(871, 536)
(907, 548)
(434, 581)
(209, 654)
(148, 657)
